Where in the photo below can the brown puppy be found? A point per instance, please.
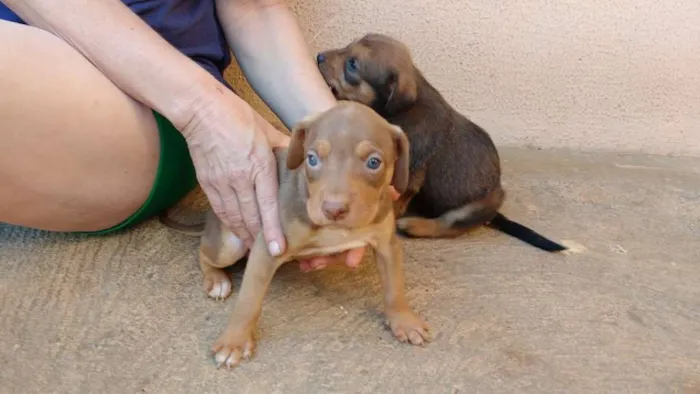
(455, 174)
(334, 195)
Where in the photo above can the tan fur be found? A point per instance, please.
(344, 135)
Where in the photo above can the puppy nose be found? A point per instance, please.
(320, 58)
(335, 210)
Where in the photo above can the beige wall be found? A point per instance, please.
(619, 75)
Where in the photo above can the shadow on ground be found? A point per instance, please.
(127, 314)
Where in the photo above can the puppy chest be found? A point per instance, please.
(329, 241)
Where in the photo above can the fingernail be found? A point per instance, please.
(274, 248)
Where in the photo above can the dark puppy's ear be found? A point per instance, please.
(401, 166)
(296, 153)
(401, 90)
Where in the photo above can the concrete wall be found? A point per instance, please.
(620, 75)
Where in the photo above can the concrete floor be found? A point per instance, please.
(126, 314)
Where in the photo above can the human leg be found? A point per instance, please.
(76, 153)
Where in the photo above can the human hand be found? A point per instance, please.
(231, 148)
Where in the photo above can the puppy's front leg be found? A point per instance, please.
(237, 341)
(405, 324)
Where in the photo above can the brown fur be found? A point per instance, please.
(455, 174)
(342, 140)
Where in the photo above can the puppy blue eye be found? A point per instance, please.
(373, 163)
(351, 64)
(312, 159)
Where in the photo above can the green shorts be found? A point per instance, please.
(175, 177)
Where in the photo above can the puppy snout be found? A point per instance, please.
(335, 210)
(320, 58)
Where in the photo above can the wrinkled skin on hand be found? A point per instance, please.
(231, 149)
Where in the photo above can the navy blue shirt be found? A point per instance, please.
(191, 26)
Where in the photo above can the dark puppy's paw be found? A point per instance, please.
(417, 227)
(217, 284)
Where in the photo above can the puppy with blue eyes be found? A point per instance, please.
(334, 195)
(455, 174)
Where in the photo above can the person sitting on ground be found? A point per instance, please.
(112, 111)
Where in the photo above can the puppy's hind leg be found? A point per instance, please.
(455, 222)
(218, 249)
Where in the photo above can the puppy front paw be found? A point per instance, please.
(407, 326)
(233, 346)
(217, 284)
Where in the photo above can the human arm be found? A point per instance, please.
(275, 58)
(227, 138)
(126, 50)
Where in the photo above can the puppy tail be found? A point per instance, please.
(485, 212)
(523, 233)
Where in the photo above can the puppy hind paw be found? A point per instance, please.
(217, 285)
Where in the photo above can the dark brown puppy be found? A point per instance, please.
(455, 174)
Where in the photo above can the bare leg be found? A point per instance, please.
(76, 153)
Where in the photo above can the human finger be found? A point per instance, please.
(304, 266)
(266, 188)
(394, 194)
(247, 213)
(223, 201)
(275, 137)
(354, 257)
(229, 210)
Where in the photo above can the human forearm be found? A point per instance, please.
(126, 50)
(274, 57)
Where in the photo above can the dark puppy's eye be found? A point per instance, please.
(312, 159)
(351, 64)
(373, 163)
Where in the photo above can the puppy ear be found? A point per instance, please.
(295, 153)
(402, 91)
(401, 166)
